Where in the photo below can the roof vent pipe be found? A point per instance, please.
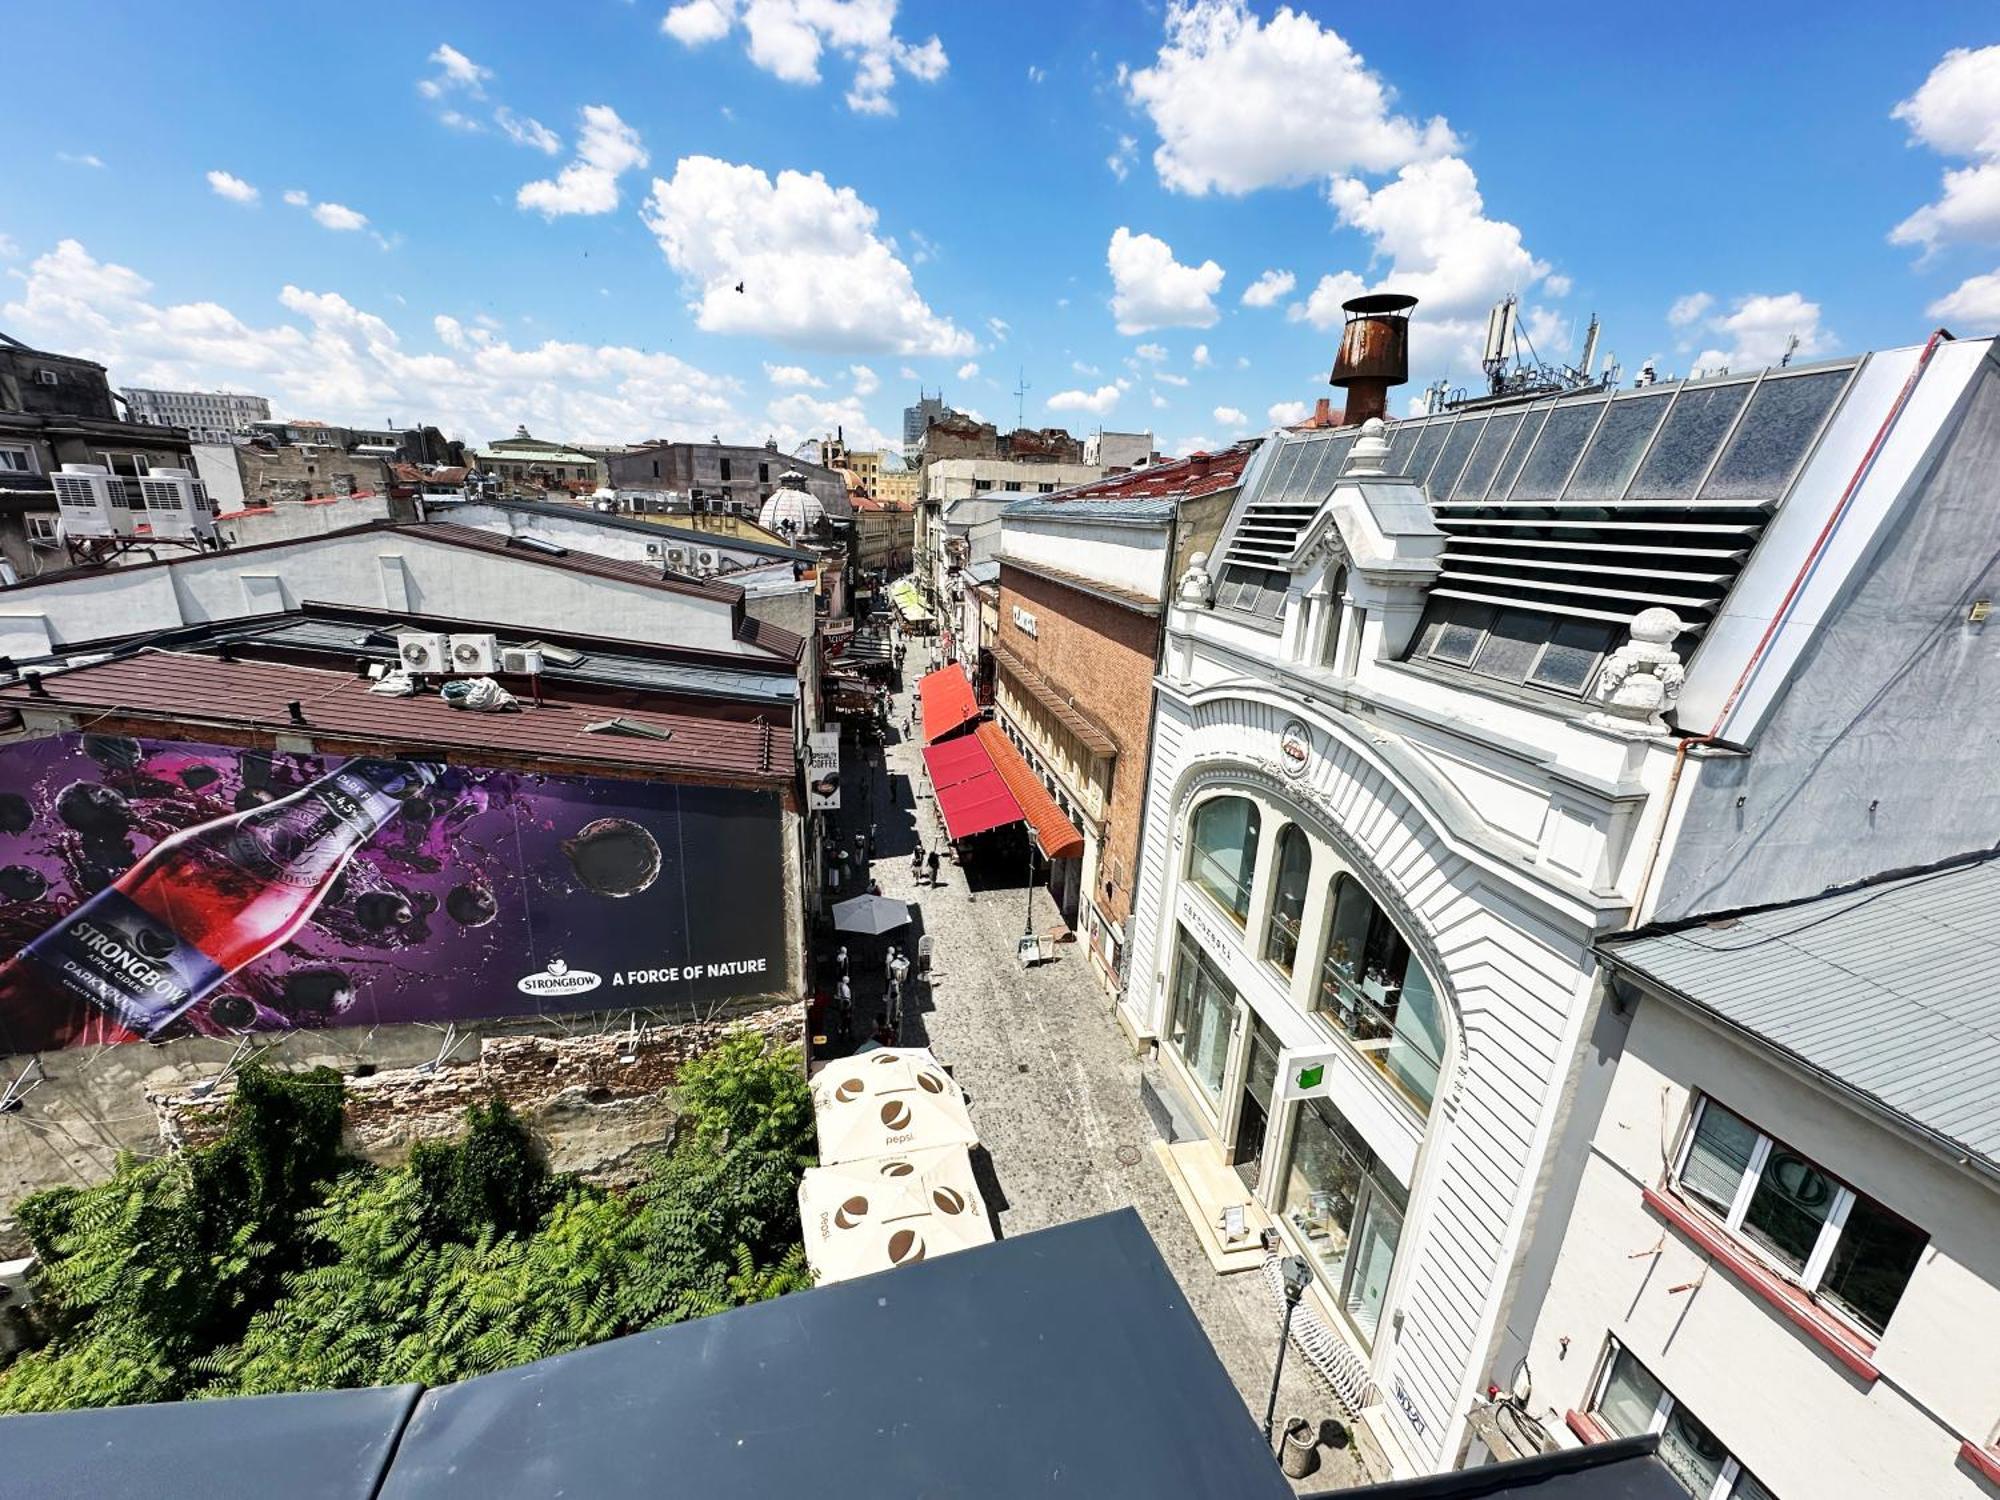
(1374, 353)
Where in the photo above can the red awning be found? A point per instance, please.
(947, 701)
(971, 796)
(1055, 833)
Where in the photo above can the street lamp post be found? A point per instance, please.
(1297, 1275)
(1028, 916)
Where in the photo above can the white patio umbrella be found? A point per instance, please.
(870, 914)
(891, 1101)
(867, 1216)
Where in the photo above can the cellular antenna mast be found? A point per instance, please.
(1021, 389)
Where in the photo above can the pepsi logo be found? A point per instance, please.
(906, 1248)
(930, 1083)
(897, 1169)
(896, 1115)
(948, 1200)
(850, 1089)
(850, 1213)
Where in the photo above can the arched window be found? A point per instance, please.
(1288, 896)
(1337, 590)
(1372, 987)
(1224, 852)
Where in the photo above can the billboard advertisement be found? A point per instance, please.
(823, 770)
(158, 888)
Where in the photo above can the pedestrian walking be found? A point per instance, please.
(889, 964)
(840, 961)
(931, 863)
(917, 864)
(899, 970)
(843, 1001)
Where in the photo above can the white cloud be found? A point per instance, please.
(1035, 74)
(1152, 353)
(926, 248)
(1976, 302)
(786, 39)
(1431, 223)
(81, 159)
(456, 73)
(339, 217)
(1321, 307)
(234, 188)
(297, 197)
(10, 248)
(1150, 289)
(1269, 289)
(454, 119)
(1230, 416)
(1098, 402)
(1083, 369)
(525, 131)
(324, 356)
(606, 148)
(866, 381)
(1757, 330)
(1200, 356)
(813, 271)
(1557, 285)
(969, 370)
(906, 373)
(1160, 402)
(1167, 377)
(1120, 160)
(999, 328)
(1956, 112)
(1288, 413)
(795, 418)
(792, 375)
(1194, 444)
(1240, 104)
(1689, 309)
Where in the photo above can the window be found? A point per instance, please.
(1632, 1403)
(17, 460)
(1257, 591)
(1848, 1251)
(1336, 592)
(1513, 645)
(981, 486)
(1012, 486)
(1224, 852)
(1045, 489)
(1288, 896)
(1203, 1015)
(725, 469)
(763, 473)
(1347, 1208)
(1772, 439)
(1375, 993)
(41, 527)
(1562, 439)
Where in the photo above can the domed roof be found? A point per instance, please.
(793, 510)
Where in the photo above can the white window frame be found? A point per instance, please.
(28, 457)
(41, 526)
(1731, 1470)
(1808, 1278)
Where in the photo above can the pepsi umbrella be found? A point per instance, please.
(867, 1216)
(888, 1102)
(870, 914)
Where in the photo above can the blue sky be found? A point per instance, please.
(1080, 193)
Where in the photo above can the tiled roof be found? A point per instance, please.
(204, 691)
(1184, 478)
(1885, 988)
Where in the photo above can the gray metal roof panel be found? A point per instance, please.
(1886, 988)
(1092, 510)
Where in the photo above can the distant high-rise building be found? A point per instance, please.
(916, 418)
(208, 416)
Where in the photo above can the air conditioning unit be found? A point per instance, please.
(176, 504)
(706, 560)
(475, 653)
(421, 651)
(91, 501)
(521, 661)
(14, 1288)
(677, 557)
(653, 549)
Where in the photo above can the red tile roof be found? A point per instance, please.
(1055, 833)
(1192, 477)
(193, 692)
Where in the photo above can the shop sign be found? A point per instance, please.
(1309, 1073)
(1295, 748)
(823, 770)
(1024, 621)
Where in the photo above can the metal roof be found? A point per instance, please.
(205, 692)
(1885, 989)
(721, 541)
(1058, 508)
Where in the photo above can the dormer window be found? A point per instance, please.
(1518, 646)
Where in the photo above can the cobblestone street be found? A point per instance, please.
(1055, 1088)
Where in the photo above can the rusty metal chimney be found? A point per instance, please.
(1374, 353)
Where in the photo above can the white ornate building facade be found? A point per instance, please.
(1453, 701)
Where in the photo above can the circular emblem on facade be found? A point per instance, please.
(1295, 746)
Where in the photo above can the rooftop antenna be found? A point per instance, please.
(1589, 349)
(1021, 389)
(1502, 344)
(1791, 348)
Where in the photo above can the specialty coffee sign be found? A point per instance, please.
(823, 770)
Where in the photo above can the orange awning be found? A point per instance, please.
(1055, 833)
(947, 702)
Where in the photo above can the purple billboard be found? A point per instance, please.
(155, 888)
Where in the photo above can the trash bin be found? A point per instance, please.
(1301, 1452)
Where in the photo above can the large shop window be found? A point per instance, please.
(1848, 1251)
(1288, 896)
(1347, 1208)
(1632, 1403)
(1204, 1008)
(1374, 990)
(1225, 852)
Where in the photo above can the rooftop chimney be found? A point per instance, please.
(1374, 353)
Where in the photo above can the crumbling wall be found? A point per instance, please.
(598, 1096)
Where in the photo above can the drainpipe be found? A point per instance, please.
(1781, 615)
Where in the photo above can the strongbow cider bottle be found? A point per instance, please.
(203, 903)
